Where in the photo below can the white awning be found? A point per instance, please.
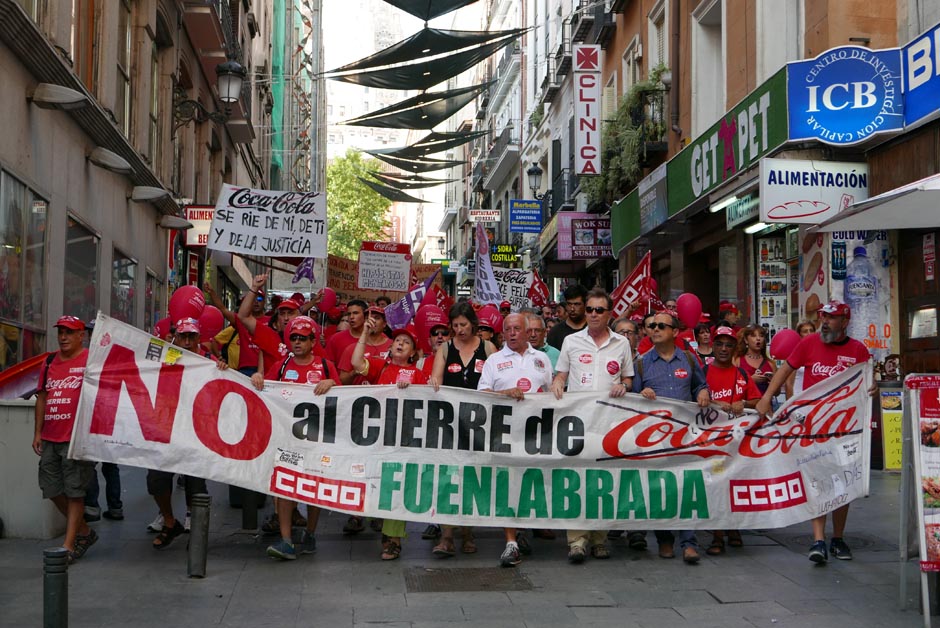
(912, 206)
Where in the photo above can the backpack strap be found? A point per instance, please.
(45, 371)
(280, 371)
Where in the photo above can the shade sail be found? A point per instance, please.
(429, 9)
(424, 111)
(412, 182)
(912, 206)
(391, 193)
(417, 165)
(432, 143)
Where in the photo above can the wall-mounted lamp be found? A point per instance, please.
(666, 79)
(104, 158)
(51, 96)
(535, 180)
(145, 193)
(174, 222)
(230, 76)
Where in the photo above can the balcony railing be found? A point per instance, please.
(511, 53)
(582, 20)
(507, 138)
(649, 118)
(479, 171)
(564, 187)
(550, 83)
(563, 50)
(604, 26)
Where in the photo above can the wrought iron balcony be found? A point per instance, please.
(582, 20)
(605, 26)
(550, 83)
(564, 187)
(563, 50)
(649, 118)
(503, 157)
(511, 55)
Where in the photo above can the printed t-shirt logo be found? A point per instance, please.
(405, 376)
(613, 367)
(502, 366)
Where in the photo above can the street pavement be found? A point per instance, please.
(769, 582)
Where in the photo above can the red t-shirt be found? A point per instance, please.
(822, 360)
(428, 364)
(729, 384)
(247, 349)
(311, 373)
(383, 372)
(337, 343)
(63, 384)
(372, 351)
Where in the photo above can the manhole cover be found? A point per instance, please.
(427, 580)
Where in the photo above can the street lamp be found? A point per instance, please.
(230, 76)
(535, 180)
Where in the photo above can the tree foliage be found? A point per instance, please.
(354, 211)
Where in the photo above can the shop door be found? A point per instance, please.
(920, 298)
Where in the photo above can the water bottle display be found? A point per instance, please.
(772, 285)
(861, 293)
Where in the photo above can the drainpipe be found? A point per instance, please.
(674, 67)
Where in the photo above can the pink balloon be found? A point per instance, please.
(783, 343)
(210, 323)
(490, 317)
(328, 301)
(161, 329)
(187, 302)
(689, 308)
(427, 317)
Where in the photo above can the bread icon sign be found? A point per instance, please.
(797, 209)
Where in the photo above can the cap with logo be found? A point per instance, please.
(836, 308)
(187, 326)
(288, 304)
(505, 305)
(728, 306)
(408, 330)
(724, 331)
(375, 309)
(70, 322)
(303, 325)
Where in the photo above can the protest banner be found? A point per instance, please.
(514, 285)
(343, 276)
(268, 222)
(468, 458)
(485, 288)
(385, 266)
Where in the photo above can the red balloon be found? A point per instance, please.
(689, 308)
(161, 329)
(427, 317)
(210, 323)
(490, 317)
(783, 343)
(328, 300)
(187, 302)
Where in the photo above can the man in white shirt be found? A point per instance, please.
(593, 359)
(514, 370)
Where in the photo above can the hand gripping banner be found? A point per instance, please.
(461, 457)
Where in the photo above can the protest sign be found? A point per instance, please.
(485, 288)
(469, 458)
(343, 276)
(267, 222)
(514, 285)
(385, 266)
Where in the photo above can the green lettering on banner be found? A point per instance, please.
(477, 488)
(631, 498)
(503, 509)
(598, 490)
(694, 496)
(446, 488)
(389, 484)
(419, 489)
(532, 494)
(664, 494)
(566, 502)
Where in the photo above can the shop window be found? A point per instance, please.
(81, 271)
(153, 301)
(123, 288)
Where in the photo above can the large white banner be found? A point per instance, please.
(468, 458)
(269, 223)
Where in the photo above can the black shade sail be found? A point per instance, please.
(429, 9)
(424, 111)
(412, 182)
(417, 165)
(432, 143)
(391, 193)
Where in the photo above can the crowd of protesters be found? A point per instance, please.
(576, 345)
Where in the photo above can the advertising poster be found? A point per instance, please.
(565, 232)
(814, 272)
(525, 216)
(590, 238)
(892, 416)
(923, 395)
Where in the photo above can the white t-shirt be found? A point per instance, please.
(592, 367)
(530, 371)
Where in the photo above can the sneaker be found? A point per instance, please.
(187, 522)
(271, 526)
(523, 542)
(839, 549)
(636, 540)
(92, 513)
(283, 550)
(114, 514)
(818, 553)
(308, 543)
(431, 532)
(614, 534)
(576, 555)
(510, 556)
(157, 524)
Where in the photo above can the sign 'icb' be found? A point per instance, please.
(845, 95)
(587, 109)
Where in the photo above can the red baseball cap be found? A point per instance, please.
(727, 306)
(303, 325)
(375, 309)
(505, 305)
(187, 326)
(70, 322)
(409, 331)
(435, 318)
(724, 331)
(288, 304)
(836, 308)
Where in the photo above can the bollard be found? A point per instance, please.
(55, 587)
(249, 510)
(199, 536)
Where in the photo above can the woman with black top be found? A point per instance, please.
(703, 336)
(459, 363)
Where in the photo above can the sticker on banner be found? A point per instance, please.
(286, 393)
(172, 356)
(293, 458)
(357, 469)
(326, 461)
(155, 350)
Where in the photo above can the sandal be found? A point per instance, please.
(468, 545)
(270, 526)
(717, 547)
(353, 525)
(600, 551)
(82, 543)
(167, 534)
(444, 549)
(734, 538)
(391, 550)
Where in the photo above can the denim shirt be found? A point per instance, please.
(661, 376)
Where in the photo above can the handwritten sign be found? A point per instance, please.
(892, 417)
(385, 266)
(270, 223)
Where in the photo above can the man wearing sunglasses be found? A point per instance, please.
(575, 296)
(593, 359)
(673, 373)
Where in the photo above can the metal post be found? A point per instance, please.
(249, 510)
(55, 587)
(199, 536)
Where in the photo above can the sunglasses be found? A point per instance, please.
(659, 326)
(440, 333)
(598, 310)
(298, 338)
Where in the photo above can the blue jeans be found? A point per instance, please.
(686, 538)
(112, 491)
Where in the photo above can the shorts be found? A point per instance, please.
(61, 475)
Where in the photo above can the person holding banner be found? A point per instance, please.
(356, 317)
(594, 358)
(514, 370)
(376, 343)
(822, 354)
(268, 336)
(671, 372)
(397, 369)
(300, 366)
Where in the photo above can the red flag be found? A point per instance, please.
(437, 296)
(636, 287)
(538, 291)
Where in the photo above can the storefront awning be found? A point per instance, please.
(912, 206)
